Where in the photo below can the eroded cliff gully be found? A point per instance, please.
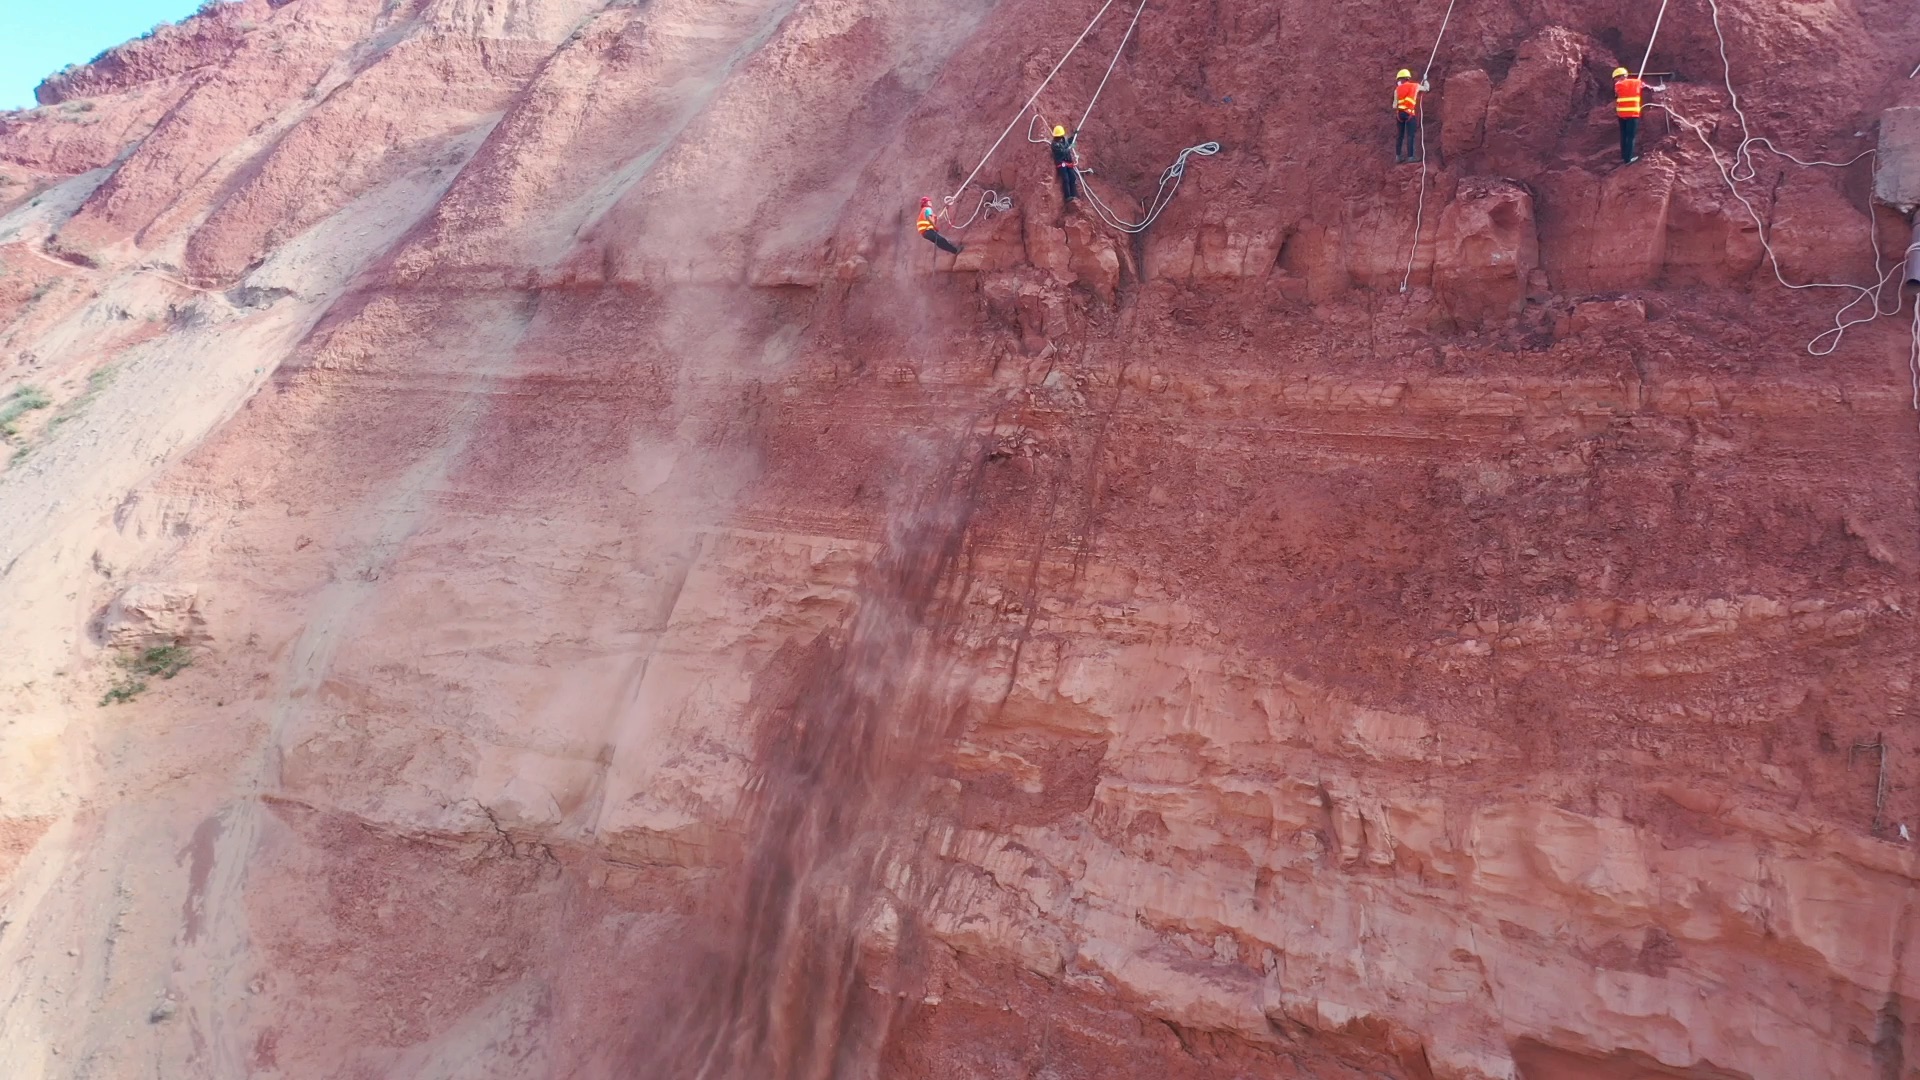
(647, 614)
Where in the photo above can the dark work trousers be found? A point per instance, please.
(1406, 133)
(1069, 182)
(1629, 129)
(941, 242)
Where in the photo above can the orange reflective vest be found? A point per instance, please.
(1626, 96)
(926, 221)
(1406, 96)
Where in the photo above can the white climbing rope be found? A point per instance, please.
(1739, 168)
(1161, 199)
(1011, 124)
(1650, 39)
(1743, 157)
(1873, 293)
(989, 200)
(1111, 64)
(1420, 204)
(1913, 355)
(1170, 179)
(1444, 20)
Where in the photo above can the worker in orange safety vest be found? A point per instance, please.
(1406, 115)
(926, 224)
(1629, 99)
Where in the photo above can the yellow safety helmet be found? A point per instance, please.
(1059, 132)
(1619, 73)
(1404, 74)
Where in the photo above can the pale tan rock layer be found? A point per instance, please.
(647, 607)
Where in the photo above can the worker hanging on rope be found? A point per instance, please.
(926, 224)
(1629, 93)
(1066, 162)
(1407, 91)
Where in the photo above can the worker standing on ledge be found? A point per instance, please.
(1406, 116)
(1628, 95)
(1066, 162)
(926, 225)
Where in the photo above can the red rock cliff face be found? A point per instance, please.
(651, 615)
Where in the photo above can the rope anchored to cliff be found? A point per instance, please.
(1420, 205)
(1739, 168)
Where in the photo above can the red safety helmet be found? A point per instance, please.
(926, 200)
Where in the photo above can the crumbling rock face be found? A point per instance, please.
(1529, 109)
(1231, 249)
(1486, 251)
(1463, 102)
(152, 615)
(1433, 622)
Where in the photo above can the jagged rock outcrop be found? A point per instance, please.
(1487, 251)
(151, 615)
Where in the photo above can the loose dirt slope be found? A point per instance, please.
(650, 615)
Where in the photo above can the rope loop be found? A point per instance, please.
(989, 200)
(1161, 199)
(1739, 168)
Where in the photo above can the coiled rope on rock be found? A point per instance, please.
(989, 200)
(1161, 199)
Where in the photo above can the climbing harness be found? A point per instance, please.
(1420, 205)
(1740, 168)
(1011, 124)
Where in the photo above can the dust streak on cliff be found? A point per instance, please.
(837, 818)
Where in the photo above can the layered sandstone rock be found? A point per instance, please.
(651, 609)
